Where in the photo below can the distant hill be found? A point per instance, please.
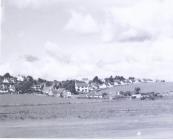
(161, 87)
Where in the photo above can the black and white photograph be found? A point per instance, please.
(94, 69)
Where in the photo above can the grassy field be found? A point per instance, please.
(41, 116)
(22, 107)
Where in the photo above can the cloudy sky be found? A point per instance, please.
(65, 39)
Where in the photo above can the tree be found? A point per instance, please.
(137, 90)
(29, 78)
(69, 85)
(132, 79)
(120, 78)
(24, 87)
(111, 79)
(104, 94)
(7, 75)
(57, 84)
(97, 80)
(41, 80)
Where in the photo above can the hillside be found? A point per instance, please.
(160, 87)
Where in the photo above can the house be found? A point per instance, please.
(51, 91)
(8, 80)
(47, 90)
(3, 88)
(147, 80)
(93, 86)
(127, 81)
(99, 95)
(117, 82)
(5, 81)
(136, 96)
(20, 78)
(86, 80)
(3, 91)
(37, 87)
(12, 88)
(138, 80)
(81, 87)
(102, 86)
(65, 94)
(60, 92)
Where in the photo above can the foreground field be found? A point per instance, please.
(34, 116)
(124, 127)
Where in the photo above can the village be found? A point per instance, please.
(85, 88)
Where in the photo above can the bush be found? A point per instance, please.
(104, 94)
(126, 93)
(137, 90)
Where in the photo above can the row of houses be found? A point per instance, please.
(57, 92)
(84, 87)
(6, 88)
(7, 85)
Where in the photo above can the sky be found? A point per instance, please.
(67, 39)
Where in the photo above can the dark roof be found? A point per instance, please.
(81, 84)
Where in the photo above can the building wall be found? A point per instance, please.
(82, 89)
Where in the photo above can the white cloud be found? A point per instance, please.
(120, 58)
(55, 51)
(140, 21)
(0, 25)
(113, 59)
(135, 40)
(31, 3)
(74, 3)
(144, 20)
(0, 11)
(82, 23)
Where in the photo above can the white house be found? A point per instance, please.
(62, 92)
(20, 78)
(3, 91)
(5, 81)
(93, 86)
(48, 90)
(102, 86)
(12, 88)
(66, 94)
(81, 87)
(136, 96)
